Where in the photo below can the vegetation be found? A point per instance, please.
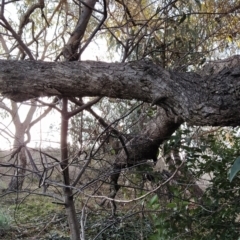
(147, 146)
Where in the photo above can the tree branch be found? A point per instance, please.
(71, 48)
(200, 100)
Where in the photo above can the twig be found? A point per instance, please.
(143, 196)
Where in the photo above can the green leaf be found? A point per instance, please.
(154, 199)
(234, 169)
(112, 152)
(171, 205)
(182, 18)
(155, 206)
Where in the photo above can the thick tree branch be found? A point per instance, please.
(199, 100)
(145, 145)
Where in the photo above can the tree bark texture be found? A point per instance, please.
(197, 99)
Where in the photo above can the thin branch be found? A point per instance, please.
(10, 1)
(55, 100)
(96, 29)
(51, 105)
(127, 11)
(17, 37)
(3, 106)
(34, 166)
(143, 196)
(2, 9)
(83, 107)
(108, 128)
(4, 45)
(25, 18)
(70, 50)
(87, 5)
(113, 130)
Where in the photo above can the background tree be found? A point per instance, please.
(27, 16)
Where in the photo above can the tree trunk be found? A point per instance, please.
(21, 128)
(68, 195)
(17, 180)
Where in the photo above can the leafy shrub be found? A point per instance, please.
(4, 222)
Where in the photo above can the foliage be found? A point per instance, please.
(234, 169)
(216, 214)
(31, 216)
(209, 155)
(125, 226)
(174, 35)
(4, 220)
(45, 220)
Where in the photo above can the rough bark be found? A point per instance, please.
(145, 145)
(211, 98)
(199, 100)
